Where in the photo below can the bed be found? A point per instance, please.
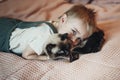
(103, 65)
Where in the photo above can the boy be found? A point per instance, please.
(29, 38)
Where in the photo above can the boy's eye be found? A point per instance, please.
(74, 32)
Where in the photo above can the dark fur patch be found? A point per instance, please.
(93, 44)
(49, 48)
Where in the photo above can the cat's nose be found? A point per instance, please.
(65, 49)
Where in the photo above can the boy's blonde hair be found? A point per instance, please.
(86, 14)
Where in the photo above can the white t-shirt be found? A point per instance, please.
(35, 37)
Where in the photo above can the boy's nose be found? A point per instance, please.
(75, 40)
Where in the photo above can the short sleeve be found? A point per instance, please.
(40, 37)
(37, 44)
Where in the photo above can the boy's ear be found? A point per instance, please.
(64, 18)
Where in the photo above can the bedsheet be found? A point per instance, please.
(103, 65)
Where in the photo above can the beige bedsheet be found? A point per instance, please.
(103, 65)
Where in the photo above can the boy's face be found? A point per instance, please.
(75, 27)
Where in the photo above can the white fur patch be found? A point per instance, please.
(55, 50)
